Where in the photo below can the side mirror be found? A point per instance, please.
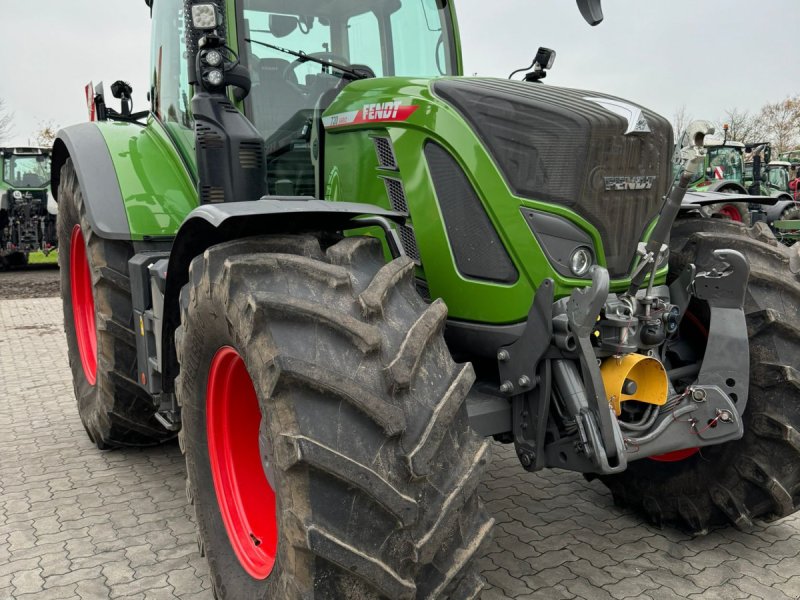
(282, 25)
(592, 11)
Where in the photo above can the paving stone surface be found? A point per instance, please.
(80, 524)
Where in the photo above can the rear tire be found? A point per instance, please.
(757, 477)
(364, 434)
(114, 410)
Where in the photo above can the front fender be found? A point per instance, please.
(134, 183)
(91, 158)
(212, 224)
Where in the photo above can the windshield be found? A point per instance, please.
(725, 162)
(779, 178)
(26, 171)
(390, 37)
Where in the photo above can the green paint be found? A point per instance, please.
(352, 173)
(156, 187)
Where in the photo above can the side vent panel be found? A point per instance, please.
(385, 152)
(409, 242)
(397, 195)
(251, 155)
(478, 250)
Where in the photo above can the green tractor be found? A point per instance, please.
(722, 172)
(336, 269)
(27, 209)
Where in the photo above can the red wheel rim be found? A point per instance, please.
(731, 212)
(676, 456)
(245, 497)
(80, 281)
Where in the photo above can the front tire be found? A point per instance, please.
(98, 322)
(351, 469)
(758, 476)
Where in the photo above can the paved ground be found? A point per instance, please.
(41, 281)
(76, 523)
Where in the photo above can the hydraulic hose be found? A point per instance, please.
(650, 417)
(661, 427)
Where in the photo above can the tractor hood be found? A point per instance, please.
(605, 158)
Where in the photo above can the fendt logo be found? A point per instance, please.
(619, 184)
(387, 110)
(394, 111)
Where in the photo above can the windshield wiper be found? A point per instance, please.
(354, 73)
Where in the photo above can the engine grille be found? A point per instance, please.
(552, 144)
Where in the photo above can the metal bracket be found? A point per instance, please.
(526, 378)
(711, 413)
(583, 309)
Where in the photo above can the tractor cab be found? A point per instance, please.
(724, 160)
(289, 93)
(778, 175)
(26, 168)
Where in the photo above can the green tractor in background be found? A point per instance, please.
(336, 268)
(722, 173)
(27, 209)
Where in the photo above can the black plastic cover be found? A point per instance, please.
(477, 248)
(557, 145)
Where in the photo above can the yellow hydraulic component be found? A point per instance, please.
(634, 377)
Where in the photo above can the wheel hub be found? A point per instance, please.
(83, 304)
(245, 497)
(731, 212)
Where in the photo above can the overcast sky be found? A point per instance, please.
(707, 54)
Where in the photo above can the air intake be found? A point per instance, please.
(409, 241)
(397, 195)
(478, 250)
(251, 155)
(385, 152)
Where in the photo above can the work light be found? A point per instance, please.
(213, 58)
(205, 16)
(214, 77)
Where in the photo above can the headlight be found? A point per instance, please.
(17, 195)
(581, 261)
(204, 16)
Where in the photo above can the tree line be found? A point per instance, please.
(776, 122)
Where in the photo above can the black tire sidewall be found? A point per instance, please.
(70, 214)
(205, 342)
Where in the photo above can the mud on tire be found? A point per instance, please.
(757, 477)
(114, 410)
(373, 464)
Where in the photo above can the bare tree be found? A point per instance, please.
(782, 122)
(6, 121)
(744, 127)
(680, 119)
(45, 134)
